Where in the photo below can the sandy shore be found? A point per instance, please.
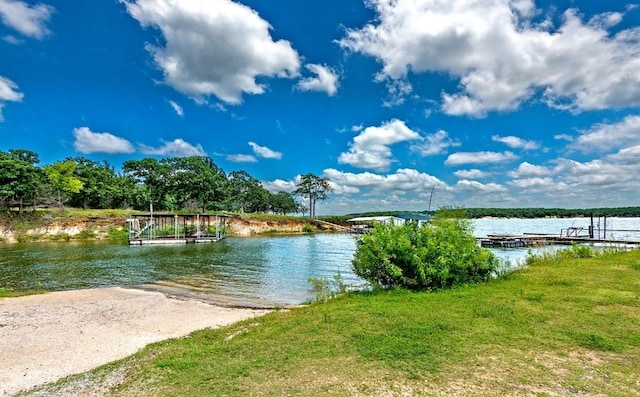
(46, 337)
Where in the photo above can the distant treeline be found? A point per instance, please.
(551, 212)
(474, 213)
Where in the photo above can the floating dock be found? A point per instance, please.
(159, 229)
(539, 240)
(170, 240)
(567, 236)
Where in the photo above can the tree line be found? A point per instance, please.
(551, 212)
(170, 184)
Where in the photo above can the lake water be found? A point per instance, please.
(626, 229)
(262, 270)
(269, 270)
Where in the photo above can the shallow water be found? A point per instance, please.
(269, 269)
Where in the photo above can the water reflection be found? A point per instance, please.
(270, 269)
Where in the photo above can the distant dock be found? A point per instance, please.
(567, 236)
(539, 240)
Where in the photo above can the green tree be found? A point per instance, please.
(62, 178)
(128, 193)
(283, 203)
(313, 188)
(246, 194)
(99, 184)
(152, 174)
(439, 255)
(20, 177)
(197, 182)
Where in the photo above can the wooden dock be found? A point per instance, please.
(540, 240)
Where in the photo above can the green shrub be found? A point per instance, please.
(440, 255)
(86, 235)
(307, 228)
(117, 233)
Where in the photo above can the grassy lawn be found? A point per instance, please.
(567, 327)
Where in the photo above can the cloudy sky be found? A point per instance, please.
(496, 103)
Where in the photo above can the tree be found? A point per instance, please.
(196, 181)
(314, 188)
(246, 193)
(128, 193)
(151, 173)
(20, 178)
(99, 184)
(283, 203)
(62, 178)
(440, 255)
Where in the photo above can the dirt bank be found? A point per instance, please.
(60, 226)
(46, 337)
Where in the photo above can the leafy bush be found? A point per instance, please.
(307, 228)
(440, 255)
(117, 233)
(86, 235)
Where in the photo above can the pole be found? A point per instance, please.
(430, 197)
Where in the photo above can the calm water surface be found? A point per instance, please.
(267, 269)
(627, 229)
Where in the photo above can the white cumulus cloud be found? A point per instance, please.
(279, 185)
(325, 80)
(175, 148)
(502, 54)
(8, 93)
(604, 137)
(265, 152)
(29, 20)
(467, 186)
(403, 180)
(87, 141)
(241, 158)
(528, 170)
(371, 148)
(472, 174)
(461, 158)
(435, 144)
(214, 47)
(515, 142)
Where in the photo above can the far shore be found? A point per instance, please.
(46, 337)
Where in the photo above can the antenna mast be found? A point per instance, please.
(430, 197)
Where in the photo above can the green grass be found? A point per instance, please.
(9, 293)
(558, 327)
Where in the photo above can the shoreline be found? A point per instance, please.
(46, 337)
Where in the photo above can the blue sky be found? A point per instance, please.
(495, 103)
